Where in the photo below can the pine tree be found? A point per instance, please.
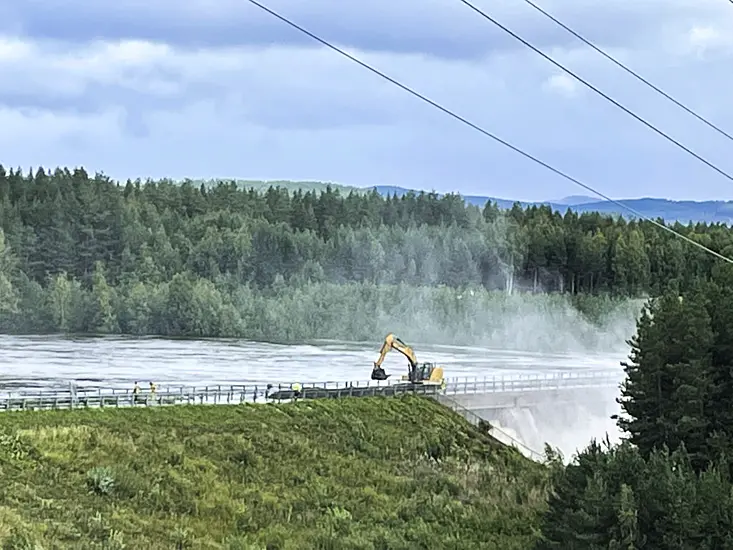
(668, 377)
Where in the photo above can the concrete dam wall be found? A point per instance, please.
(566, 419)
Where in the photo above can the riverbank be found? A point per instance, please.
(361, 473)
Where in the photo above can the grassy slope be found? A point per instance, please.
(354, 473)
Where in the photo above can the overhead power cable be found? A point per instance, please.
(486, 132)
(596, 90)
(630, 71)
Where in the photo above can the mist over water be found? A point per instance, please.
(439, 315)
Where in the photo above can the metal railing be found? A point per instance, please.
(534, 382)
(207, 395)
(230, 394)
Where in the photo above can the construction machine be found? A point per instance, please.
(425, 373)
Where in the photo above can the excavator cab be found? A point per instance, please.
(426, 373)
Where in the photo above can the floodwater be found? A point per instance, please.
(29, 363)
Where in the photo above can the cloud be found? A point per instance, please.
(562, 84)
(218, 88)
(708, 39)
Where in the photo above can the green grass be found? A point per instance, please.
(387, 473)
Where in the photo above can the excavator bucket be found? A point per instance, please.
(379, 374)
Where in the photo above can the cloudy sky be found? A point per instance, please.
(219, 88)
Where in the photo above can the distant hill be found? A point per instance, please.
(576, 199)
(671, 211)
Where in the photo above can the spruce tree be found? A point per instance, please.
(667, 381)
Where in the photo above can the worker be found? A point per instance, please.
(297, 389)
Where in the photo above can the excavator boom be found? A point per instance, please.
(392, 342)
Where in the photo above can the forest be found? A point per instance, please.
(88, 254)
(668, 484)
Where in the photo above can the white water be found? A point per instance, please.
(51, 361)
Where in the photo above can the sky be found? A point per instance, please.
(221, 89)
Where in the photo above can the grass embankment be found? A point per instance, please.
(397, 473)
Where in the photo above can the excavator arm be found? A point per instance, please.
(391, 342)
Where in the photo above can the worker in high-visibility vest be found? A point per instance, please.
(297, 389)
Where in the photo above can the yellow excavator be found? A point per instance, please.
(427, 373)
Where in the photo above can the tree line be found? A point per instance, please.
(83, 253)
(66, 221)
(668, 484)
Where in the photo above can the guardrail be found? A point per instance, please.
(209, 395)
(532, 382)
(76, 397)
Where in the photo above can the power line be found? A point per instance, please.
(596, 90)
(485, 132)
(628, 70)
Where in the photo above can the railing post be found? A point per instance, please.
(72, 394)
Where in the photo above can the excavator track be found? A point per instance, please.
(355, 391)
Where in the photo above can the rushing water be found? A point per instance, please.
(51, 361)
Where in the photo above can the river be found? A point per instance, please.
(45, 362)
